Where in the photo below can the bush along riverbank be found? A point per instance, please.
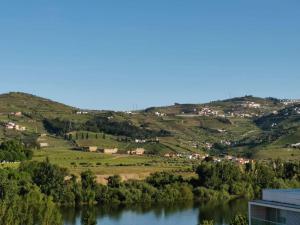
(215, 181)
(34, 190)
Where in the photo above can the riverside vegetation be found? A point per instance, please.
(31, 193)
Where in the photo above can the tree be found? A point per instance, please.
(239, 220)
(114, 181)
(87, 136)
(88, 180)
(88, 183)
(50, 178)
(14, 151)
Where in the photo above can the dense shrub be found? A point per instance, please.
(11, 151)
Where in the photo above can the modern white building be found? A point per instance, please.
(277, 207)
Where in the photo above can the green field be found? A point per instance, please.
(128, 166)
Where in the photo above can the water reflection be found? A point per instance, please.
(187, 213)
(222, 213)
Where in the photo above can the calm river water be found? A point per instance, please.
(179, 214)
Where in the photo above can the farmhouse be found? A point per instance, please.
(10, 125)
(43, 145)
(297, 145)
(138, 151)
(109, 150)
(13, 126)
(90, 148)
(16, 113)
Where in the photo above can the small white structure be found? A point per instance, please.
(13, 126)
(251, 105)
(137, 151)
(43, 145)
(140, 141)
(81, 113)
(109, 150)
(297, 145)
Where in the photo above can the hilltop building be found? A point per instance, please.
(278, 207)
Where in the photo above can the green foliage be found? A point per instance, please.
(114, 181)
(49, 178)
(21, 201)
(239, 220)
(11, 151)
(163, 178)
(33, 208)
(207, 222)
(221, 180)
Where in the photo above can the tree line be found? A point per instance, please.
(36, 188)
(102, 124)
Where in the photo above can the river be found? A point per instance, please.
(187, 213)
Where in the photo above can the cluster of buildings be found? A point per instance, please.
(197, 156)
(82, 112)
(241, 114)
(137, 151)
(251, 105)
(193, 156)
(241, 161)
(159, 114)
(290, 101)
(14, 126)
(96, 149)
(206, 111)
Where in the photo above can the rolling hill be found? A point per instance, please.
(243, 126)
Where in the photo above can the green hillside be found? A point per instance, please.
(242, 126)
(32, 105)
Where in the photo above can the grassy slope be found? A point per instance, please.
(186, 131)
(16, 101)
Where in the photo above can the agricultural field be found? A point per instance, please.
(103, 165)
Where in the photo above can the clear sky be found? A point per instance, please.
(125, 54)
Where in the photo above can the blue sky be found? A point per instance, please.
(134, 54)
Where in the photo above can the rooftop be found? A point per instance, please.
(285, 196)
